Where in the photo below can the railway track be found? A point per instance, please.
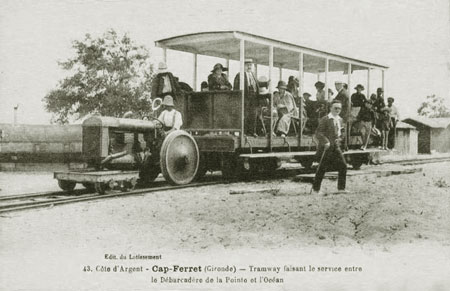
(419, 161)
(13, 203)
(50, 199)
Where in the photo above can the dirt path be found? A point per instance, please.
(387, 214)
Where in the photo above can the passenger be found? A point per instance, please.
(292, 87)
(320, 95)
(344, 98)
(170, 118)
(218, 80)
(287, 99)
(164, 83)
(311, 112)
(263, 106)
(379, 105)
(385, 121)
(358, 99)
(376, 123)
(251, 89)
(395, 117)
(365, 121)
(330, 94)
(283, 123)
(204, 86)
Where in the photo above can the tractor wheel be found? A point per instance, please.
(179, 158)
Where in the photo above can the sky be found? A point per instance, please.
(411, 37)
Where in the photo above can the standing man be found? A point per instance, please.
(358, 98)
(329, 135)
(344, 98)
(251, 89)
(395, 117)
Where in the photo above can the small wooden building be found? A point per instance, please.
(406, 139)
(22, 146)
(434, 134)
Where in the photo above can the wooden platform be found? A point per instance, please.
(367, 172)
(303, 153)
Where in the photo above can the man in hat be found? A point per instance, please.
(395, 117)
(378, 106)
(164, 83)
(251, 89)
(170, 118)
(287, 99)
(344, 98)
(218, 80)
(358, 98)
(329, 135)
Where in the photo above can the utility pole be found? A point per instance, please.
(15, 114)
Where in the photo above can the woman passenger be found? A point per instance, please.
(218, 80)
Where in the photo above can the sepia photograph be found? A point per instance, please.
(224, 145)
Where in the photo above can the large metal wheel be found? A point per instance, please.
(66, 185)
(179, 158)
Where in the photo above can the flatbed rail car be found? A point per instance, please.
(212, 136)
(216, 118)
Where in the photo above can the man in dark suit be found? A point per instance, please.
(251, 89)
(329, 135)
(344, 97)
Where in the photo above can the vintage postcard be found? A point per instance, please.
(224, 145)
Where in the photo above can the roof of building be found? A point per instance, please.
(430, 122)
(404, 125)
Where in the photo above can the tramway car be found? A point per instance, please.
(213, 136)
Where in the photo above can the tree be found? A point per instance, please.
(109, 75)
(434, 107)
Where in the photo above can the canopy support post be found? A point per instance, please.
(300, 97)
(228, 66)
(241, 87)
(195, 73)
(349, 108)
(165, 55)
(368, 83)
(271, 95)
(383, 84)
(327, 97)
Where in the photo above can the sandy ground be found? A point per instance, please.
(396, 228)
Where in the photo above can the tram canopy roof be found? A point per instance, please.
(226, 44)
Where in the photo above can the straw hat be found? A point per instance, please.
(162, 67)
(168, 101)
(246, 61)
(359, 86)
